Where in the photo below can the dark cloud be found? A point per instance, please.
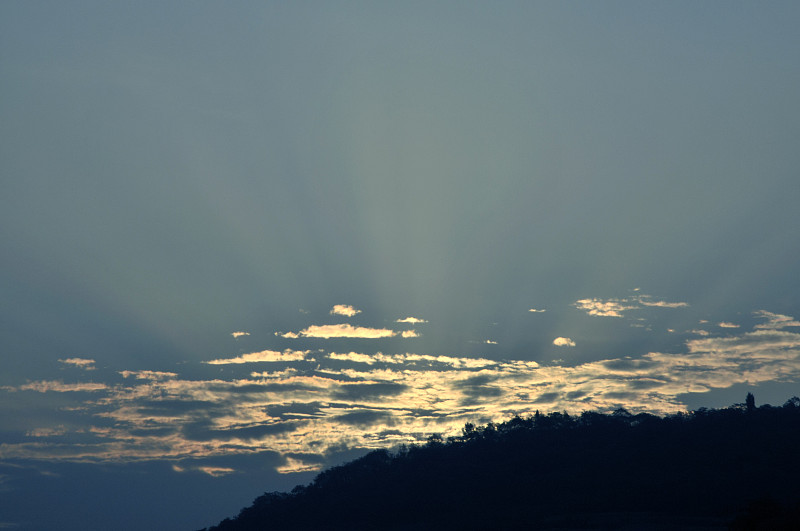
(243, 389)
(481, 391)
(476, 381)
(174, 407)
(644, 384)
(203, 431)
(575, 395)
(153, 431)
(293, 409)
(547, 397)
(620, 395)
(628, 364)
(368, 390)
(364, 418)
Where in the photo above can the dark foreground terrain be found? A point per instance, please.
(733, 468)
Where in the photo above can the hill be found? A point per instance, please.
(735, 468)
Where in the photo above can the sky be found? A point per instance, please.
(243, 242)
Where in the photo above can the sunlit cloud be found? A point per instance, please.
(647, 301)
(490, 342)
(263, 356)
(86, 364)
(699, 332)
(725, 324)
(409, 333)
(563, 342)
(607, 308)
(411, 320)
(148, 375)
(534, 310)
(775, 320)
(46, 432)
(617, 307)
(293, 465)
(344, 309)
(215, 471)
(356, 357)
(237, 335)
(46, 386)
(274, 375)
(340, 330)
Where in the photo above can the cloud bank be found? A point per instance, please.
(299, 406)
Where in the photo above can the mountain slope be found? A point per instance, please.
(703, 470)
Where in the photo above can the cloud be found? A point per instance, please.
(775, 320)
(534, 310)
(409, 333)
(411, 320)
(355, 356)
(46, 432)
(419, 361)
(303, 411)
(616, 307)
(45, 386)
(215, 471)
(344, 309)
(82, 363)
(563, 342)
(362, 391)
(293, 466)
(490, 342)
(608, 308)
(725, 324)
(148, 375)
(645, 300)
(340, 330)
(364, 417)
(237, 335)
(263, 356)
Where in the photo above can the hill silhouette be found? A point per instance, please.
(736, 468)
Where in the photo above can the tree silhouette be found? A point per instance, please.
(750, 402)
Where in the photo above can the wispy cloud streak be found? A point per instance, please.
(617, 307)
(263, 356)
(86, 364)
(340, 330)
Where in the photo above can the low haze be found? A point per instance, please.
(242, 242)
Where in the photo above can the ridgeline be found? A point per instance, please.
(734, 468)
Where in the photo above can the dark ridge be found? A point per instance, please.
(734, 468)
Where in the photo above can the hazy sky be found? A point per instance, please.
(243, 241)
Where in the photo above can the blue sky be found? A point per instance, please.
(243, 242)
